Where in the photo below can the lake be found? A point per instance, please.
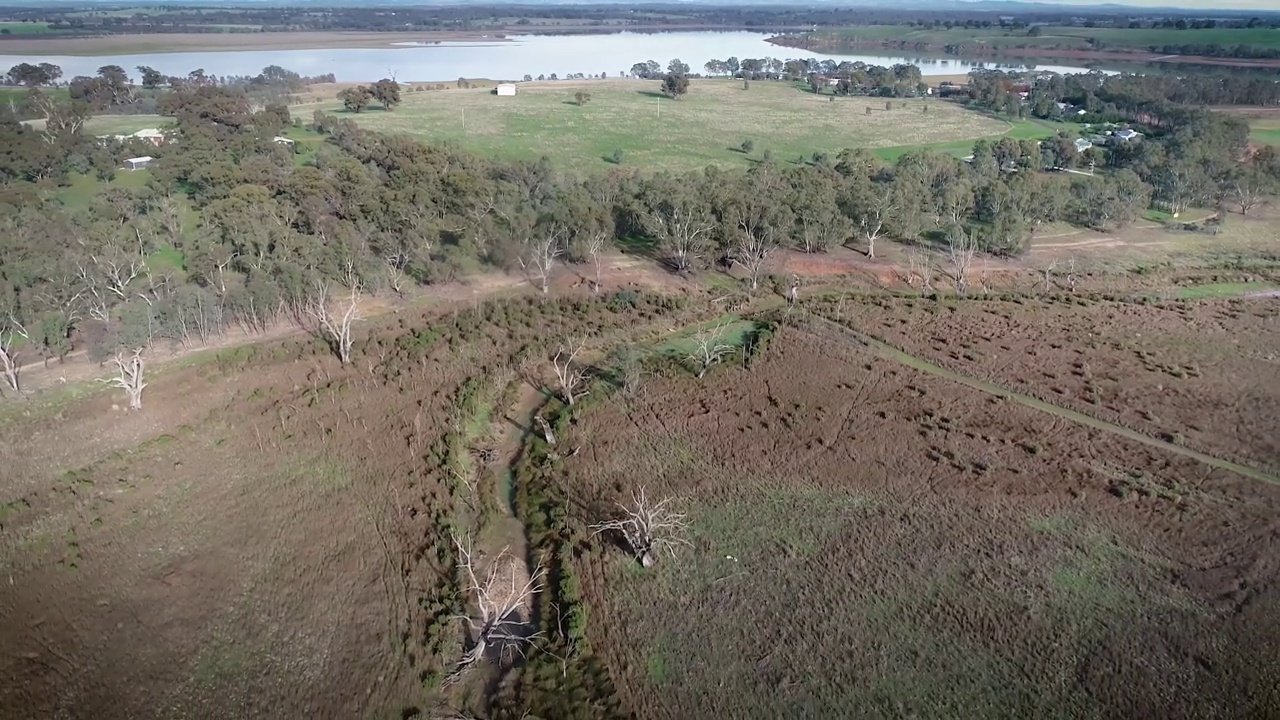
(511, 60)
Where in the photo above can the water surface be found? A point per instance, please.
(533, 55)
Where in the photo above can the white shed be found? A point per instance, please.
(507, 89)
(137, 163)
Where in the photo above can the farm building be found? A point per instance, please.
(506, 89)
(281, 140)
(1127, 135)
(151, 135)
(137, 163)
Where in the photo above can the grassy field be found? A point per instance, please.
(1265, 131)
(80, 192)
(706, 127)
(114, 124)
(1065, 36)
(23, 28)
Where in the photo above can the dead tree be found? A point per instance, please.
(543, 253)
(921, 264)
(1072, 279)
(333, 328)
(753, 253)
(793, 290)
(496, 603)
(962, 248)
(9, 365)
(1047, 283)
(708, 350)
(547, 433)
(569, 374)
(130, 368)
(649, 529)
(594, 245)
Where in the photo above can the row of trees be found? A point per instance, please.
(385, 91)
(852, 78)
(229, 232)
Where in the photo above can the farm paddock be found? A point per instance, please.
(274, 532)
(866, 535)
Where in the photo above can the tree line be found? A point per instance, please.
(177, 19)
(229, 232)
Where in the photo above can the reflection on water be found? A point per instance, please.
(613, 54)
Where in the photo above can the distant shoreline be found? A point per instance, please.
(799, 42)
(148, 43)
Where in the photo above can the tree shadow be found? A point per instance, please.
(571, 102)
(609, 159)
(652, 94)
(638, 245)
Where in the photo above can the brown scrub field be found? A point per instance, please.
(870, 539)
(871, 533)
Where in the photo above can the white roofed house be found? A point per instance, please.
(1127, 135)
(138, 163)
(151, 135)
(1082, 145)
(506, 89)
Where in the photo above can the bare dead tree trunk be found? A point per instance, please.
(1047, 283)
(922, 267)
(334, 329)
(497, 604)
(648, 528)
(543, 254)
(546, 429)
(9, 365)
(793, 290)
(1071, 274)
(595, 246)
(754, 253)
(962, 248)
(707, 348)
(130, 368)
(569, 374)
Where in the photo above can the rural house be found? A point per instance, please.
(137, 163)
(506, 89)
(1128, 135)
(1082, 145)
(281, 140)
(151, 135)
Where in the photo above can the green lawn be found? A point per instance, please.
(80, 192)
(704, 128)
(24, 28)
(113, 124)
(1018, 129)
(1265, 131)
(1218, 290)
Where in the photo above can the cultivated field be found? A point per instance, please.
(705, 127)
(868, 535)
